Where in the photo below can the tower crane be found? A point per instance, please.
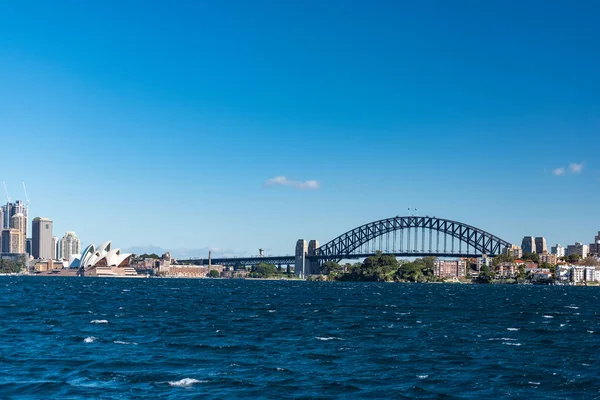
(26, 196)
(6, 191)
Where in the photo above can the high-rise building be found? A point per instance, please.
(528, 244)
(55, 248)
(41, 238)
(540, 245)
(28, 245)
(11, 241)
(558, 250)
(595, 247)
(69, 245)
(9, 210)
(19, 222)
(577, 248)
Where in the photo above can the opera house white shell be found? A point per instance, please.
(103, 256)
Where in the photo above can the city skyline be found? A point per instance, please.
(217, 128)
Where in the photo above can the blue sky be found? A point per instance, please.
(162, 123)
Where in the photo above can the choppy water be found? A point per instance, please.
(169, 338)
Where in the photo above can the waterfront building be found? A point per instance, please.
(69, 245)
(558, 250)
(450, 268)
(507, 270)
(104, 261)
(563, 272)
(12, 241)
(540, 245)
(41, 238)
(513, 251)
(577, 248)
(528, 244)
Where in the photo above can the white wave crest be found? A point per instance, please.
(98, 321)
(185, 382)
(328, 338)
(511, 344)
(89, 339)
(121, 342)
(422, 376)
(513, 329)
(547, 316)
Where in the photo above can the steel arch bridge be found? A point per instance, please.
(411, 236)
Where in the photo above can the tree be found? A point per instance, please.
(532, 257)
(213, 273)
(153, 255)
(264, 270)
(573, 258)
(521, 275)
(502, 258)
(590, 261)
(486, 275)
(330, 267)
(10, 266)
(376, 268)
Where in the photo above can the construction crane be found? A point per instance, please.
(26, 196)
(6, 191)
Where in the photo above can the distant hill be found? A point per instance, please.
(184, 253)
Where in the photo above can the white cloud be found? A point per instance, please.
(558, 171)
(576, 168)
(283, 181)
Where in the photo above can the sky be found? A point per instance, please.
(238, 125)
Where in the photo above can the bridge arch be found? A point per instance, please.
(411, 232)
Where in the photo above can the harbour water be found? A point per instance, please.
(178, 338)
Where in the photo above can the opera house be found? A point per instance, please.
(104, 261)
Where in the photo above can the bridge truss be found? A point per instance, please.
(412, 236)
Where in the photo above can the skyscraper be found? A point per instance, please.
(19, 222)
(55, 248)
(42, 238)
(69, 245)
(558, 250)
(595, 247)
(528, 244)
(540, 245)
(11, 241)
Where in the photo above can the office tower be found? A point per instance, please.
(11, 241)
(41, 238)
(528, 244)
(540, 245)
(55, 248)
(577, 248)
(558, 250)
(1, 218)
(595, 247)
(69, 245)
(28, 245)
